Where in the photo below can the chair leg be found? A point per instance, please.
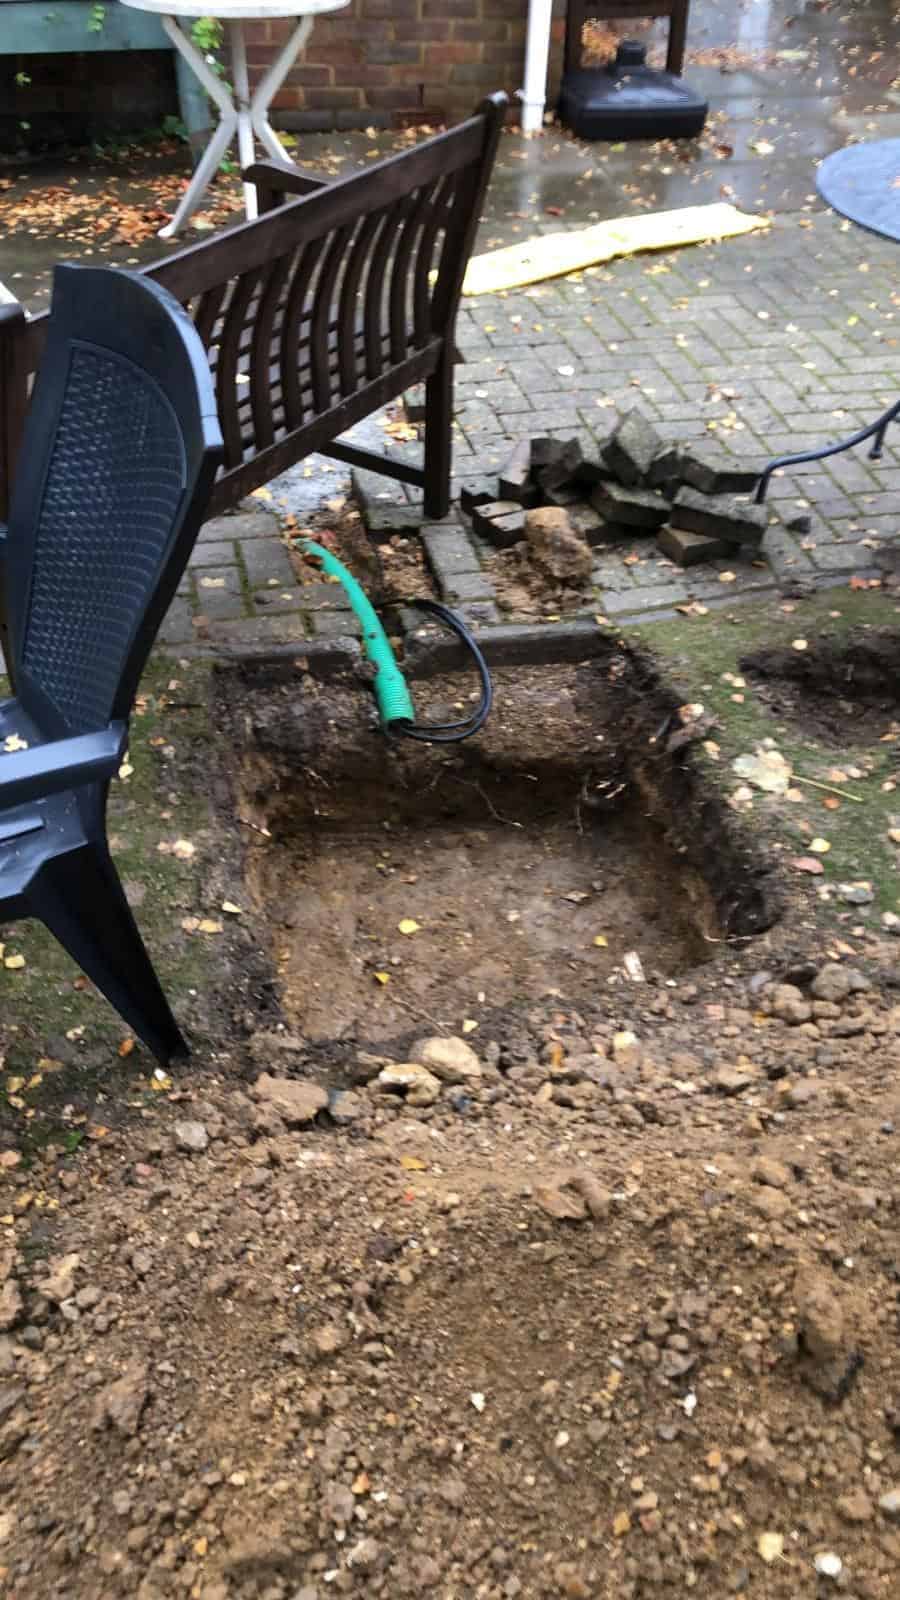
(5, 642)
(438, 446)
(80, 898)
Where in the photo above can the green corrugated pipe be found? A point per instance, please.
(393, 697)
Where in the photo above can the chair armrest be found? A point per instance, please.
(273, 182)
(62, 764)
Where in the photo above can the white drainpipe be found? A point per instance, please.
(537, 55)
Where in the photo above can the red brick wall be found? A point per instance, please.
(384, 62)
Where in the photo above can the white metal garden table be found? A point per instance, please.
(243, 116)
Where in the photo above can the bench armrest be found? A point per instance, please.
(62, 764)
(273, 182)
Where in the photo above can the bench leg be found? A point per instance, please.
(438, 444)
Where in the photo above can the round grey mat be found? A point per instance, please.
(862, 182)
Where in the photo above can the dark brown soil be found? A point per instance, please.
(391, 571)
(531, 861)
(391, 1351)
(505, 913)
(846, 692)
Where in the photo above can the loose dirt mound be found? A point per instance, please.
(593, 1329)
(606, 1309)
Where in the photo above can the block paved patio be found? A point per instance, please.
(763, 345)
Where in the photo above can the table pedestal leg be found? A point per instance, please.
(268, 87)
(208, 165)
(246, 147)
(246, 115)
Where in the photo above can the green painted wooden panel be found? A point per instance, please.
(61, 27)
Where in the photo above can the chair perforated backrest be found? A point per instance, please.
(120, 449)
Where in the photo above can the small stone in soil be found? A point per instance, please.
(191, 1137)
(420, 1086)
(451, 1060)
(889, 1502)
(597, 1199)
(59, 1285)
(835, 982)
(790, 1004)
(732, 1080)
(855, 1506)
(121, 1403)
(856, 894)
(345, 1106)
(561, 1204)
(297, 1100)
(819, 1314)
(773, 1173)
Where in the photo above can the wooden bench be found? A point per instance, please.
(336, 299)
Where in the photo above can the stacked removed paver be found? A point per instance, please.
(695, 504)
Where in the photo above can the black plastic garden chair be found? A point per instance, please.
(120, 450)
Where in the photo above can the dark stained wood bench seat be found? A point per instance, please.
(336, 299)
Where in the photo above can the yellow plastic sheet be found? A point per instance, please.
(550, 255)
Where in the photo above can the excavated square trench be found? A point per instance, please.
(568, 848)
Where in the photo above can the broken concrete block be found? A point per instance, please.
(717, 474)
(485, 514)
(569, 495)
(588, 523)
(561, 471)
(719, 516)
(508, 530)
(689, 548)
(554, 545)
(632, 448)
(470, 498)
(639, 508)
(665, 468)
(414, 406)
(516, 482)
(590, 473)
(613, 533)
(545, 452)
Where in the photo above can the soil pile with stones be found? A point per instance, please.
(596, 1305)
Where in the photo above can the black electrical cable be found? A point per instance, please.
(451, 732)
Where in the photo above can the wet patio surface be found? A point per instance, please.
(786, 86)
(779, 341)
